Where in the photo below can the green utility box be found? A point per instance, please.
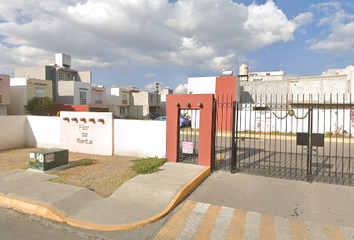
(48, 158)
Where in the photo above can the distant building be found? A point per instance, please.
(24, 89)
(69, 86)
(266, 76)
(142, 103)
(4, 93)
(120, 99)
(163, 93)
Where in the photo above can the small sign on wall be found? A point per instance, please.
(187, 147)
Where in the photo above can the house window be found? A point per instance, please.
(82, 98)
(124, 99)
(61, 76)
(122, 111)
(39, 92)
(98, 96)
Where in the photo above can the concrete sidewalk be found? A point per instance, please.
(139, 201)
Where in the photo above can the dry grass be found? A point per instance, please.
(103, 176)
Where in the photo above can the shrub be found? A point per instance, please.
(40, 106)
(86, 162)
(148, 165)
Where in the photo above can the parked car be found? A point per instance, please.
(162, 118)
(151, 116)
(183, 121)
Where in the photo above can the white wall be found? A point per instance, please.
(323, 121)
(139, 138)
(201, 85)
(12, 132)
(18, 95)
(135, 138)
(43, 132)
(85, 136)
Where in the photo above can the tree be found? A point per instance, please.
(40, 106)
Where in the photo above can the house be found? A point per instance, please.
(24, 89)
(69, 86)
(120, 99)
(163, 93)
(142, 103)
(99, 100)
(4, 93)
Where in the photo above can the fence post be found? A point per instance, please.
(309, 145)
(214, 136)
(234, 138)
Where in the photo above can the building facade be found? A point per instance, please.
(24, 89)
(4, 93)
(60, 72)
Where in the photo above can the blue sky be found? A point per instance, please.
(137, 42)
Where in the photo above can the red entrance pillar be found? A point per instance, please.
(203, 102)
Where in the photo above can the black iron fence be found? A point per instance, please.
(188, 137)
(223, 124)
(302, 137)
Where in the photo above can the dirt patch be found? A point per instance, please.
(105, 175)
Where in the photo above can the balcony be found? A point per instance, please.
(124, 102)
(98, 101)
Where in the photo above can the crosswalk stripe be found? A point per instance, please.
(207, 223)
(298, 230)
(282, 228)
(174, 226)
(193, 221)
(252, 226)
(237, 225)
(332, 232)
(348, 233)
(315, 231)
(267, 227)
(204, 221)
(222, 224)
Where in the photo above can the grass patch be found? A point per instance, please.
(85, 162)
(148, 165)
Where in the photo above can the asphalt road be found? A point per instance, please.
(17, 225)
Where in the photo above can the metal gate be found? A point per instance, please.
(188, 136)
(294, 137)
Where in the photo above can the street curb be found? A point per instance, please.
(50, 212)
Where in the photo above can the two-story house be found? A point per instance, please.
(69, 86)
(4, 93)
(24, 89)
(120, 99)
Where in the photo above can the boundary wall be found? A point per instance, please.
(136, 138)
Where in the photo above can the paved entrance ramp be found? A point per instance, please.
(139, 201)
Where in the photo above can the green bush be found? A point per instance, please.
(328, 134)
(40, 106)
(148, 165)
(86, 162)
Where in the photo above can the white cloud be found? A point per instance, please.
(303, 18)
(151, 87)
(122, 34)
(181, 89)
(290, 76)
(149, 75)
(339, 23)
(336, 71)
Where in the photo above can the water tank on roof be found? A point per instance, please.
(243, 71)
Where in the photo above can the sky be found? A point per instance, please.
(139, 42)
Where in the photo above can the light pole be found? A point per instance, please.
(157, 87)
